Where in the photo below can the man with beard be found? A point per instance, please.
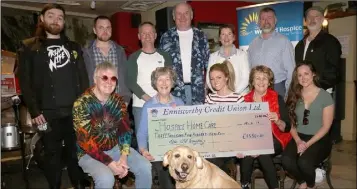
(324, 51)
(103, 49)
(273, 50)
(52, 75)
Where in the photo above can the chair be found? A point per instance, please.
(258, 174)
(325, 165)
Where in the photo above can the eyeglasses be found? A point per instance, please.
(106, 78)
(305, 121)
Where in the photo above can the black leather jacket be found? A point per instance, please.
(325, 53)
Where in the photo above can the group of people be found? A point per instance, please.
(82, 93)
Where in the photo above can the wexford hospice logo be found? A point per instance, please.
(154, 112)
(249, 24)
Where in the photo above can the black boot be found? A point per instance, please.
(81, 185)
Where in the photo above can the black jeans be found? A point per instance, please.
(221, 163)
(302, 168)
(61, 129)
(266, 164)
(165, 180)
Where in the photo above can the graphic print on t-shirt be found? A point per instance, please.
(59, 56)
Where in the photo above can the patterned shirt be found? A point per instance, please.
(170, 43)
(112, 56)
(101, 127)
(214, 98)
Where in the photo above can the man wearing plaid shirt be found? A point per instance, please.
(103, 49)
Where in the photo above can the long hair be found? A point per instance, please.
(227, 69)
(294, 93)
(40, 27)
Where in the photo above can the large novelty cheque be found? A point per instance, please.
(213, 130)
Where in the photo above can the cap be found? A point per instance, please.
(316, 8)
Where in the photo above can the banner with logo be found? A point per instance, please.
(290, 21)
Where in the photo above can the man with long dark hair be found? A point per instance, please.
(52, 75)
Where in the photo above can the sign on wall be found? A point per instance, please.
(290, 21)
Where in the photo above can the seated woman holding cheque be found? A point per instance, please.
(261, 82)
(163, 80)
(222, 80)
(311, 111)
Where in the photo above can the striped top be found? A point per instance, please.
(214, 98)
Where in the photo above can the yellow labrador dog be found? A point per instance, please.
(190, 170)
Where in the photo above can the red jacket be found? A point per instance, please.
(272, 98)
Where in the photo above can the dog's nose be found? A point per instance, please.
(184, 167)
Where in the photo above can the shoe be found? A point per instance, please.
(245, 186)
(336, 140)
(81, 185)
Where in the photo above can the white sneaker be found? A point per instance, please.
(320, 175)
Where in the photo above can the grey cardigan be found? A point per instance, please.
(88, 56)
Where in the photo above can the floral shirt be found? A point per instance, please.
(100, 127)
(169, 43)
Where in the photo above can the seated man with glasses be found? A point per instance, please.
(103, 133)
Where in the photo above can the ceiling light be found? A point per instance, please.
(92, 5)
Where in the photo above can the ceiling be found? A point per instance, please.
(84, 7)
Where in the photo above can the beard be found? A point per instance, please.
(267, 28)
(313, 26)
(104, 38)
(53, 29)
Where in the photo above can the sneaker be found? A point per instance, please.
(245, 186)
(320, 175)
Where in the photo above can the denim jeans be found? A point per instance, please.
(103, 177)
(188, 94)
(280, 88)
(137, 116)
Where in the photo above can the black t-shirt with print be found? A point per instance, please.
(60, 67)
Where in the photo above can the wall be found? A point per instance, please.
(150, 14)
(348, 125)
(223, 12)
(123, 32)
(18, 24)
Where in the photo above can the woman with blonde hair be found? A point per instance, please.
(221, 77)
(222, 80)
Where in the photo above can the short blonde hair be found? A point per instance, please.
(261, 69)
(163, 71)
(105, 66)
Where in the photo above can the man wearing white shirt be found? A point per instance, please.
(189, 50)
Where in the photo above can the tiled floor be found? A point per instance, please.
(343, 171)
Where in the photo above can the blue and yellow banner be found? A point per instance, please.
(290, 21)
